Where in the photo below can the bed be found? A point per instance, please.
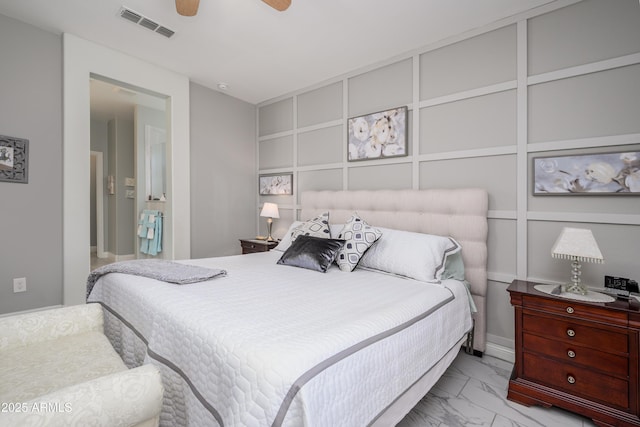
(274, 345)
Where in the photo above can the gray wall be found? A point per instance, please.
(481, 106)
(31, 214)
(223, 175)
(123, 223)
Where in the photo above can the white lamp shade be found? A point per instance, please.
(270, 210)
(577, 244)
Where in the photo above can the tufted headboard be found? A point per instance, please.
(459, 213)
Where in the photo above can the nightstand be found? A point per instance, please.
(250, 246)
(580, 356)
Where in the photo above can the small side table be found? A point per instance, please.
(580, 356)
(250, 246)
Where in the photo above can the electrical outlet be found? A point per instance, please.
(20, 285)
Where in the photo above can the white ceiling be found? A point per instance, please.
(259, 52)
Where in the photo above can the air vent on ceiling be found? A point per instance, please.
(129, 15)
(145, 22)
(165, 31)
(148, 23)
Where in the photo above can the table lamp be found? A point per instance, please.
(578, 245)
(270, 210)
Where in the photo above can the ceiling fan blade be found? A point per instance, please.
(187, 7)
(280, 5)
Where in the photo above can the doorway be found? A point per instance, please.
(121, 117)
(82, 59)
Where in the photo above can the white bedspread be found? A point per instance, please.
(273, 345)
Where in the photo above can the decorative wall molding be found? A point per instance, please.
(463, 154)
(582, 217)
(498, 214)
(276, 135)
(580, 70)
(468, 94)
(598, 141)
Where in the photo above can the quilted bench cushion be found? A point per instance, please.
(39, 368)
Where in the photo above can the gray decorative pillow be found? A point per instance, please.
(358, 237)
(312, 253)
(316, 227)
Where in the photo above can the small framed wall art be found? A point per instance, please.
(276, 184)
(588, 174)
(14, 159)
(378, 135)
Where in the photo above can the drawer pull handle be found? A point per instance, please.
(571, 354)
(571, 379)
(570, 310)
(571, 332)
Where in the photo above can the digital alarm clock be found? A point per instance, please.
(620, 286)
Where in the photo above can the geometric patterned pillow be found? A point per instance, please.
(317, 227)
(358, 236)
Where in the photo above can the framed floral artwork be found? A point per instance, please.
(378, 135)
(589, 174)
(276, 184)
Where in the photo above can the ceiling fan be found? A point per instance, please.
(190, 7)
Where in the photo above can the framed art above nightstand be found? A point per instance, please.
(577, 355)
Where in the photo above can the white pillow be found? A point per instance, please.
(416, 255)
(358, 237)
(316, 227)
(286, 240)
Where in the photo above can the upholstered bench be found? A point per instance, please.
(57, 368)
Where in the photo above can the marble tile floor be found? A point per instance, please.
(473, 392)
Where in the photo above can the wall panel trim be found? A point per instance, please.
(502, 214)
(463, 154)
(467, 94)
(598, 141)
(584, 217)
(580, 70)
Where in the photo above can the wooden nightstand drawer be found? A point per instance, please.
(575, 331)
(580, 382)
(580, 356)
(564, 352)
(575, 309)
(250, 246)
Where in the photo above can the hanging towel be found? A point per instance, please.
(155, 244)
(150, 232)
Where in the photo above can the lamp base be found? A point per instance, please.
(576, 286)
(269, 226)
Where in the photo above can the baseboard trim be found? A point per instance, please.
(500, 352)
(33, 310)
(128, 257)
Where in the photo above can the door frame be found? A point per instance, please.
(99, 175)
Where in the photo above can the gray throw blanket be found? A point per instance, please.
(159, 269)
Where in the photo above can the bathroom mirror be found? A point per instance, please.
(155, 162)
